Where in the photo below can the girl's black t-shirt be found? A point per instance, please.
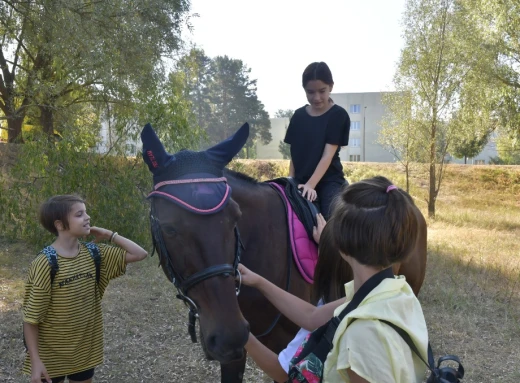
(308, 135)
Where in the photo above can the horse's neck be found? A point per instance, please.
(259, 203)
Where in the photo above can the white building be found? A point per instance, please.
(366, 112)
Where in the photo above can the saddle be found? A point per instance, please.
(304, 209)
(301, 218)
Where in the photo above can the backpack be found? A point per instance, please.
(309, 360)
(52, 258)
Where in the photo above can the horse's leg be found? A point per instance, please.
(233, 372)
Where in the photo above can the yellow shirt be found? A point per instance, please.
(68, 314)
(372, 349)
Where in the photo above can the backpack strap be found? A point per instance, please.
(446, 374)
(96, 257)
(324, 335)
(52, 258)
(442, 375)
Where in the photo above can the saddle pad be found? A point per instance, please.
(304, 249)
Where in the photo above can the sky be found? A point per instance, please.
(360, 40)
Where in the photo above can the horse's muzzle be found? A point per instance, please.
(226, 346)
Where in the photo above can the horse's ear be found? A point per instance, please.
(224, 152)
(154, 153)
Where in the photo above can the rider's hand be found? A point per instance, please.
(308, 192)
(316, 230)
(249, 278)
(38, 369)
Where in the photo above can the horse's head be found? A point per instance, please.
(194, 230)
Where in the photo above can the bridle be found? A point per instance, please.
(183, 285)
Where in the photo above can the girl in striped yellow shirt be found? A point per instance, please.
(62, 319)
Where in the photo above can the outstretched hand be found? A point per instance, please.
(316, 230)
(249, 278)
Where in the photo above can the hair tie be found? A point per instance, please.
(390, 188)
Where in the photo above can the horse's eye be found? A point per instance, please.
(168, 229)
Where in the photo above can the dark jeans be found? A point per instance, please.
(78, 377)
(327, 191)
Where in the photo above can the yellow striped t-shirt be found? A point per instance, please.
(68, 314)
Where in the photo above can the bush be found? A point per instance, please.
(114, 188)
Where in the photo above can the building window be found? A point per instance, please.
(355, 125)
(354, 158)
(355, 142)
(479, 162)
(355, 108)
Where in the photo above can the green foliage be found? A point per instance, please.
(495, 43)
(469, 147)
(58, 53)
(169, 112)
(261, 170)
(285, 150)
(508, 149)
(432, 67)
(399, 132)
(114, 188)
(223, 97)
(284, 113)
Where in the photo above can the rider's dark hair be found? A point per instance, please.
(317, 71)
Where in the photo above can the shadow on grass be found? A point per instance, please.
(474, 312)
(471, 311)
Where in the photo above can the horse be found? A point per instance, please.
(204, 220)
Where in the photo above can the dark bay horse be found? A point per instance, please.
(204, 220)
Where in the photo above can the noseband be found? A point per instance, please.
(183, 285)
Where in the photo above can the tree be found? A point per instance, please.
(431, 68)
(57, 53)
(398, 132)
(475, 120)
(469, 147)
(196, 70)
(508, 149)
(284, 113)
(223, 97)
(283, 148)
(495, 44)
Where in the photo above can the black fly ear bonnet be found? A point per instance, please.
(192, 180)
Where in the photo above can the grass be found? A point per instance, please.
(471, 295)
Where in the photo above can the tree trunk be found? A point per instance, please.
(431, 192)
(407, 172)
(465, 160)
(433, 158)
(14, 130)
(47, 120)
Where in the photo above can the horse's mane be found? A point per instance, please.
(241, 177)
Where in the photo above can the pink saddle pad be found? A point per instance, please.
(304, 249)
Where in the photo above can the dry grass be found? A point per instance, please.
(471, 296)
